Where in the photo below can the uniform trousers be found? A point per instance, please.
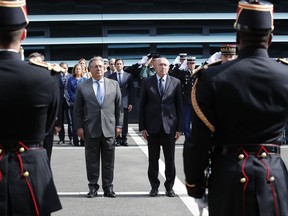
(187, 112)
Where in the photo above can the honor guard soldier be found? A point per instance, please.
(185, 75)
(28, 99)
(240, 113)
(285, 134)
(178, 62)
(227, 53)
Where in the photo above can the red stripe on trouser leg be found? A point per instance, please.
(26, 178)
(274, 195)
(247, 179)
(1, 156)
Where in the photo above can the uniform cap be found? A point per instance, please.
(191, 59)
(254, 16)
(13, 14)
(155, 55)
(228, 49)
(183, 55)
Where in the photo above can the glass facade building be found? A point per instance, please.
(67, 30)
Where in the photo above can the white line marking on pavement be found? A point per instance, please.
(179, 187)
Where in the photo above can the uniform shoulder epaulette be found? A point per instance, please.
(282, 60)
(217, 62)
(52, 67)
(206, 66)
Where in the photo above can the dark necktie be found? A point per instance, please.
(161, 89)
(119, 79)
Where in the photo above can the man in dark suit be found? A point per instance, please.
(64, 101)
(125, 81)
(28, 99)
(161, 122)
(240, 113)
(98, 117)
(112, 68)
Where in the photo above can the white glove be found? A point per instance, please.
(177, 60)
(216, 56)
(183, 65)
(143, 60)
(202, 202)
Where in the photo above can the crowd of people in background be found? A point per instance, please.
(183, 68)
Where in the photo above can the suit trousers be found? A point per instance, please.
(66, 112)
(96, 148)
(125, 124)
(167, 141)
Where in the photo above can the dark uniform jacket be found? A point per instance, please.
(185, 76)
(246, 100)
(28, 99)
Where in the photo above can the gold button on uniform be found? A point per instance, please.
(243, 180)
(21, 149)
(263, 154)
(241, 156)
(271, 178)
(26, 174)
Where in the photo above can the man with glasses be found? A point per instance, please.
(98, 117)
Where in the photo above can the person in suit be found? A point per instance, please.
(64, 101)
(240, 113)
(161, 122)
(125, 81)
(112, 68)
(29, 97)
(98, 117)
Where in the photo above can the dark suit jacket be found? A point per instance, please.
(127, 88)
(93, 117)
(155, 110)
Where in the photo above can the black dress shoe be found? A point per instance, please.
(109, 193)
(153, 192)
(92, 193)
(170, 193)
(117, 143)
(124, 143)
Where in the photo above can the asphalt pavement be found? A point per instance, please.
(131, 183)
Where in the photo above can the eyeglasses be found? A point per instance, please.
(190, 62)
(96, 66)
